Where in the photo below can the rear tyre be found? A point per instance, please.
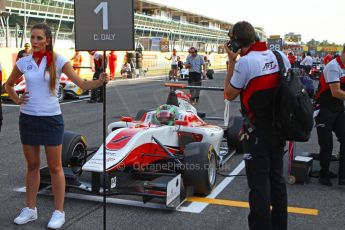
(233, 131)
(200, 167)
(73, 151)
(61, 93)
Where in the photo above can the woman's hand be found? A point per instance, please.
(103, 78)
(23, 99)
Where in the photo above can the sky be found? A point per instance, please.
(318, 19)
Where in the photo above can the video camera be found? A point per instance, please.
(234, 45)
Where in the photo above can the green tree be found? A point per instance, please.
(325, 43)
(313, 42)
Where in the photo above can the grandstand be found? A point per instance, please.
(153, 23)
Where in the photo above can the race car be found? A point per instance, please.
(67, 89)
(182, 75)
(19, 87)
(165, 153)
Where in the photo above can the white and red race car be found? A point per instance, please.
(158, 154)
(67, 89)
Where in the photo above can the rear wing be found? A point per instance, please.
(174, 86)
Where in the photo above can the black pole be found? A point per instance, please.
(104, 148)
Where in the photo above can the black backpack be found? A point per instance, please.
(292, 108)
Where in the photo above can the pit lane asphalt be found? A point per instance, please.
(126, 97)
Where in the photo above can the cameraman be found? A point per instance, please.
(255, 76)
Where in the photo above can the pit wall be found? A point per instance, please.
(154, 62)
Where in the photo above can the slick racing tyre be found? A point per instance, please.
(73, 151)
(199, 167)
(234, 127)
(61, 93)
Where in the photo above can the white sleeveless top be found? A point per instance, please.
(41, 100)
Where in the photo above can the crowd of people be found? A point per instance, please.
(305, 61)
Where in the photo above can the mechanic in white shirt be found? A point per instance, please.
(255, 76)
(330, 117)
(307, 63)
(40, 121)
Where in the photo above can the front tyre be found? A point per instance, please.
(200, 167)
(73, 151)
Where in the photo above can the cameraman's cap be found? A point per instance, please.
(27, 45)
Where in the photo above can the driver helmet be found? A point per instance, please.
(166, 114)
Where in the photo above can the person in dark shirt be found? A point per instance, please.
(24, 52)
(97, 94)
(179, 63)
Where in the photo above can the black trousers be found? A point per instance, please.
(264, 167)
(97, 94)
(328, 121)
(194, 80)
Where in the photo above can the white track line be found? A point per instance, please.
(194, 207)
(9, 105)
(74, 101)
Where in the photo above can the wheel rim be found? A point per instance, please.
(78, 157)
(212, 169)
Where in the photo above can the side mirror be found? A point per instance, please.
(182, 123)
(127, 119)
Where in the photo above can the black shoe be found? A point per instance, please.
(342, 181)
(325, 181)
(91, 101)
